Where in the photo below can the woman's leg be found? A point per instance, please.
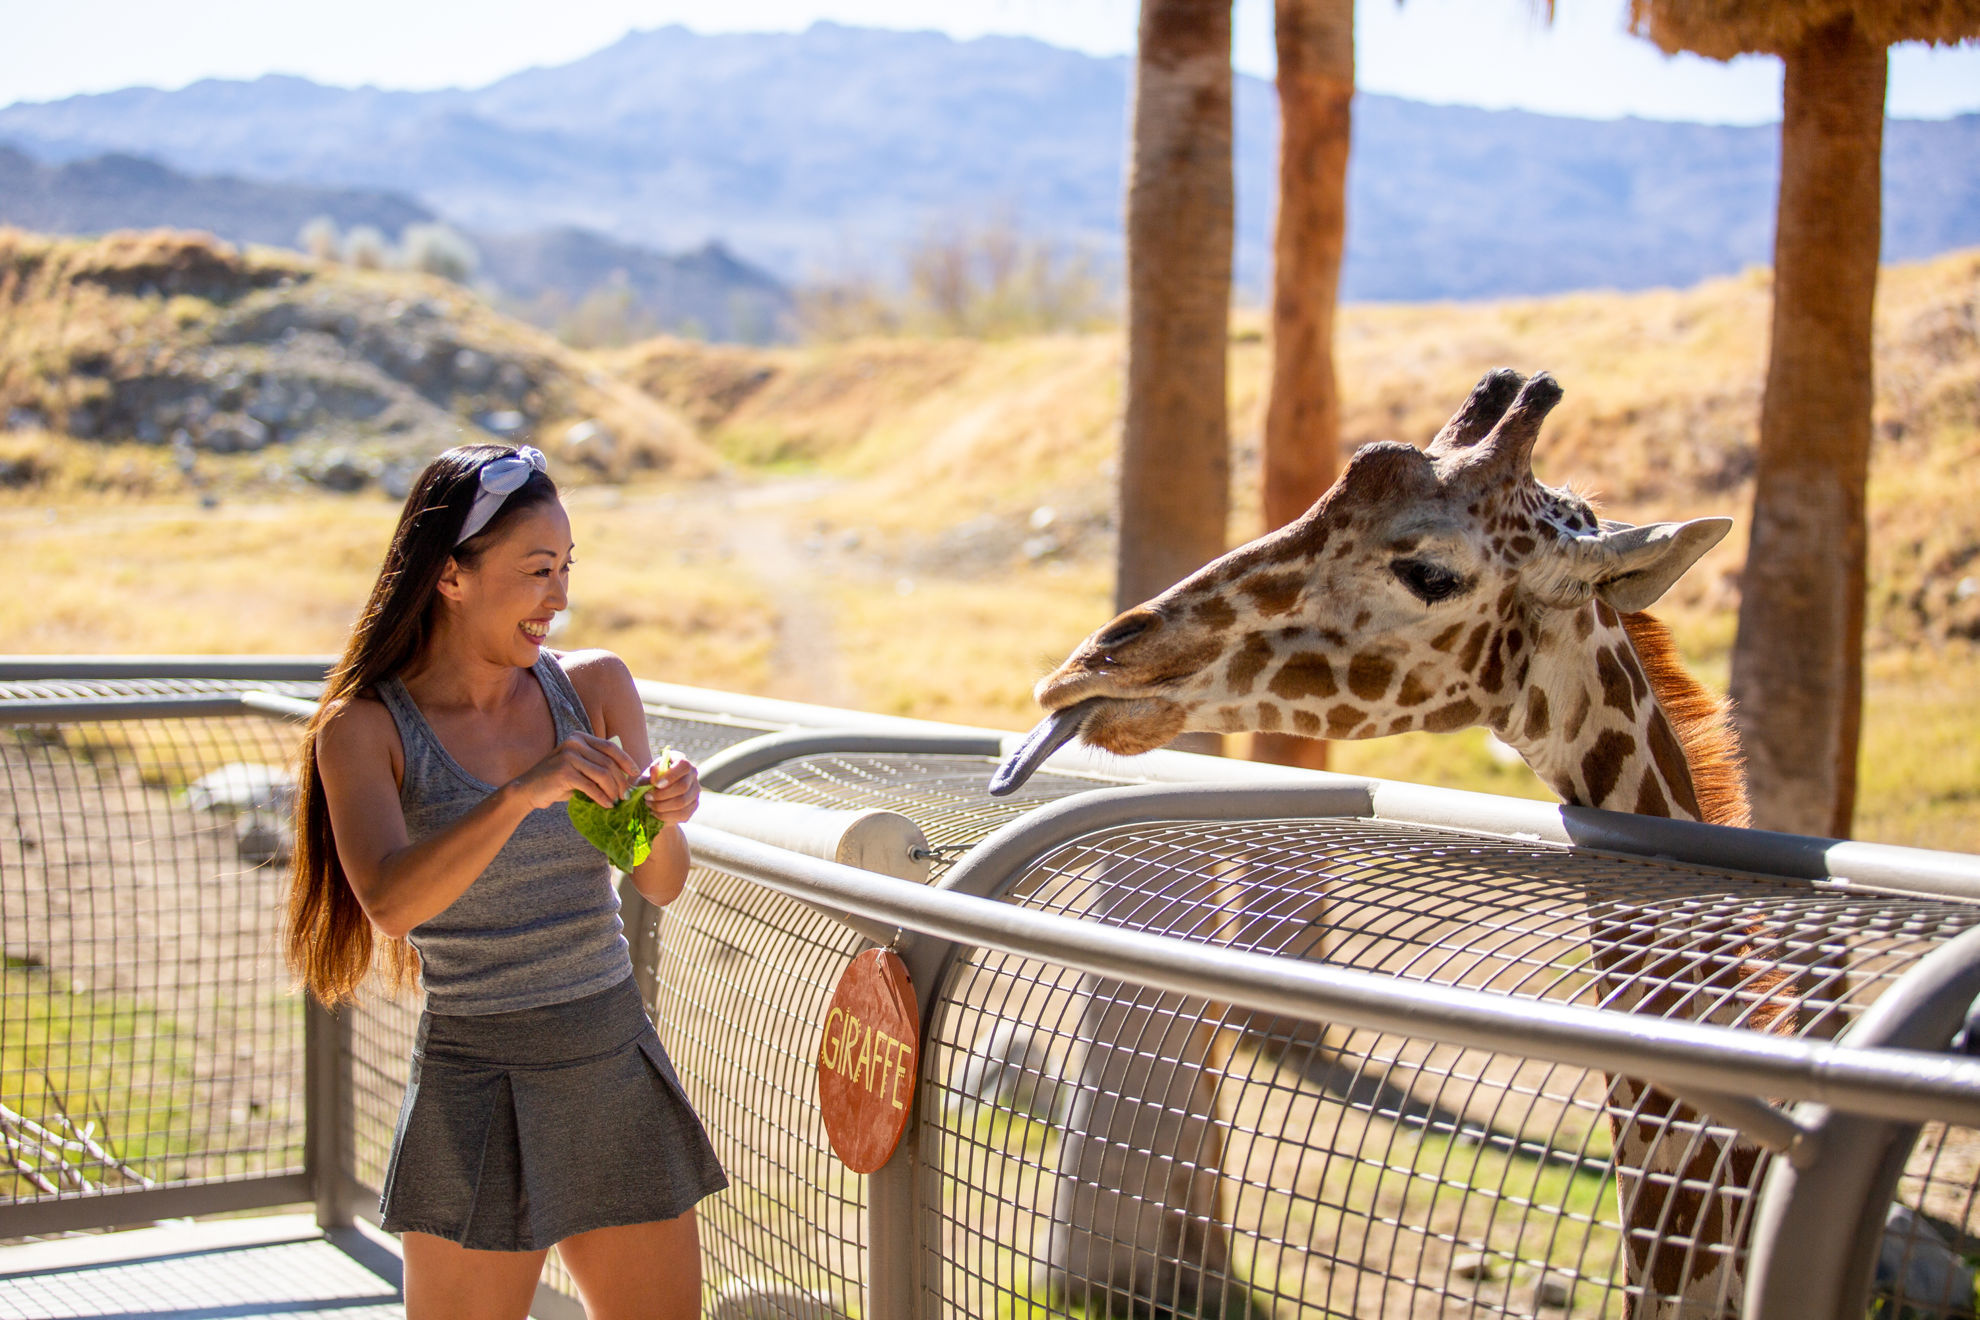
(447, 1281)
(646, 1271)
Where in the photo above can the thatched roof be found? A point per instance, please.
(1722, 29)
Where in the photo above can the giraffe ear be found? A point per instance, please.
(1633, 566)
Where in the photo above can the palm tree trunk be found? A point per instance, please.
(1175, 462)
(1797, 671)
(1140, 1226)
(1303, 412)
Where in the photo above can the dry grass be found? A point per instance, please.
(906, 571)
(288, 577)
(964, 651)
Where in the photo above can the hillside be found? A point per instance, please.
(669, 139)
(925, 526)
(163, 352)
(952, 445)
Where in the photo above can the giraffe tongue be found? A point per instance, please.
(1052, 733)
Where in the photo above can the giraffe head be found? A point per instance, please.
(1426, 590)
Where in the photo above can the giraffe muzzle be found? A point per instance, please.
(1051, 733)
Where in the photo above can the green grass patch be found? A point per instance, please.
(110, 1080)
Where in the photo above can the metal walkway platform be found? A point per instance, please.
(238, 1269)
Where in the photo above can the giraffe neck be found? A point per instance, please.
(1592, 720)
(1590, 724)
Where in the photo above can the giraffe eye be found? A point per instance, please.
(1428, 582)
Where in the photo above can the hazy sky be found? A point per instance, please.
(1495, 53)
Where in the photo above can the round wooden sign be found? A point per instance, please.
(868, 1060)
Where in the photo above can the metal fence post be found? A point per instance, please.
(1820, 1220)
(328, 1113)
(892, 1244)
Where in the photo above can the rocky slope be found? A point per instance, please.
(276, 368)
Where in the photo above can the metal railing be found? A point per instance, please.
(1198, 1037)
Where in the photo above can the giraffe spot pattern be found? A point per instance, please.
(1188, 662)
(1637, 682)
(1306, 722)
(1413, 692)
(1369, 675)
(1536, 716)
(1493, 677)
(1616, 690)
(1275, 593)
(1215, 613)
(1473, 645)
(1649, 796)
(1578, 716)
(1602, 766)
(1456, 715)
(1669, 755)
(1402, 724)
(1247, 665)
(1269, 718)
(1341, 720)
(1443, 640)
(1306, 674)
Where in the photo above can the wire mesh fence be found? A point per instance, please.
(147, 1035)
(1093, 1145)
(944, 793)
(742, 989)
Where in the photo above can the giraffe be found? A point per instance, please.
(1442, 588)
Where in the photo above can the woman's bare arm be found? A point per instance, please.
(401, 884)
(606, 685)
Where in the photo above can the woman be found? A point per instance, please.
(542, 1108)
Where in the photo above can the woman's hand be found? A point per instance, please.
(676, 790)
(582, 763)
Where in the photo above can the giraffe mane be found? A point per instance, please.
(1701, 719)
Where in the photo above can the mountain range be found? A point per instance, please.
(809, 152)
(543, 275)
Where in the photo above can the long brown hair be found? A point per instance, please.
(330, 940)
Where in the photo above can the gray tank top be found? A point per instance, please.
(541, 924)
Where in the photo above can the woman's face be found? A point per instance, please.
(503, 604)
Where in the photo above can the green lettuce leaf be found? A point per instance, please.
(625, 831)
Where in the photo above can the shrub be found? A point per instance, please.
(984, 281)
(438, 250)
(321, 238)
(366, 248)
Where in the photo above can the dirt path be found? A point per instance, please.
(759, 527)
(807, 663)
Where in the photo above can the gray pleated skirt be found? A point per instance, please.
(521, 1129)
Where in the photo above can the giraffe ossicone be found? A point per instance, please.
(1428, 589)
